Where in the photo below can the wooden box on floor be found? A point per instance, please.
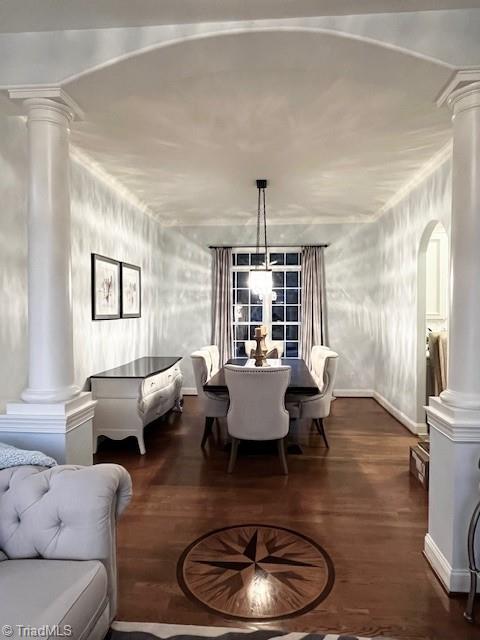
(419, 464)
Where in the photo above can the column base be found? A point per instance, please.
(62, 430)
(50, 396)
(468, 401)
(453, 491)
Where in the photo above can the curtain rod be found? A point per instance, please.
(270, 246)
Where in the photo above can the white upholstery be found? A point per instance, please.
(257, 402)
(214, 358)
(324, 370)
(213, 405)
(53, 592)
(251, 345)
(50, 519)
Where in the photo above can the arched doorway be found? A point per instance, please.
(432, 303)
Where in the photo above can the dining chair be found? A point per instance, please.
(257, 407)
(214, 406)
(324, 371)
(214, 355)
(274, 348)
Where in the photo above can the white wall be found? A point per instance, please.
(103, 221)
(13, 257)
(400, 231)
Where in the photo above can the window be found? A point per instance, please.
(282, 314)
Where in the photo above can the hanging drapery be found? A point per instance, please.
(438, 349)
(314, 306)
(222, 302)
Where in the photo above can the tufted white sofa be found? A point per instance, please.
(57, 548)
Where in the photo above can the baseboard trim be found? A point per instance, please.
(453, 580)
(416, 428)
(353, 393)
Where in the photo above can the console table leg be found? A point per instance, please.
(141, 444)
(178, 408)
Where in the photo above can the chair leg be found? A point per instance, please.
(207, 430)
(473, 564)
(282, 455)
(233, 455)
(469, 615)
(321, 430)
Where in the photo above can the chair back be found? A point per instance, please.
(201, 362)
(251, 345)
(257, 402)
(213, 358)
(324, 368)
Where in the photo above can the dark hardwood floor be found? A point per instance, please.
(357, 500)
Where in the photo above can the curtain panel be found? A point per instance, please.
(222, 302)
(314, 305)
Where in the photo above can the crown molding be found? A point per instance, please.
(425, 171)
(56, 94)
(459, 80)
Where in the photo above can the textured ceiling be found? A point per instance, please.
(336, 125)
(50, 15)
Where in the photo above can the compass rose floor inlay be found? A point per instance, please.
(256, 572)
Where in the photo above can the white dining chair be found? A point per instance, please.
(317, 407)
(214, 405)
(214, 355)
(257, 407)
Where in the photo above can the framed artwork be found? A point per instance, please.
(106, 288)
(131, 291)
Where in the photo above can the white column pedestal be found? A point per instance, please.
(453, 491)
(63, 430)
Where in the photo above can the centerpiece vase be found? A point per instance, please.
(261, 348)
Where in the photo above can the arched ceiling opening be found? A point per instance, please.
(337, 125)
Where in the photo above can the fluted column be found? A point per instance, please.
(50, 370)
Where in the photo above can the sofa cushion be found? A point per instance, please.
(67, 593)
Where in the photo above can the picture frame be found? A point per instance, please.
(106, 288)
(131, 284)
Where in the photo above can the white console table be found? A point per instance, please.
(133, 395)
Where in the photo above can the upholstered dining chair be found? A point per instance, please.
(214, 355)
(272, 347)
(324, 371)
(257, 407)
(214, 406)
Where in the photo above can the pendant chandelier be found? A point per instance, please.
(260, 280)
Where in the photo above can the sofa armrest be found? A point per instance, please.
(63, 513)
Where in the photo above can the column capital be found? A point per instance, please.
(47, 110)
(49, 95)
(462, 91)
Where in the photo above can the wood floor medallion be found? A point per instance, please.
(256, 572)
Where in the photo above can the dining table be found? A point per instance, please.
(301, 380)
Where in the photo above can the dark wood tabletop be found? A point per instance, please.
(301, 381)
(140, 368)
